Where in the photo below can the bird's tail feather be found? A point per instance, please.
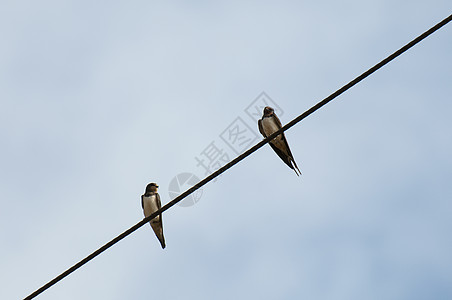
(295, 167)
(162, 241)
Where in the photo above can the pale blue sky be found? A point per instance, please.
(99, 99)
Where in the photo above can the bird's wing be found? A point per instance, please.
(261, 128)
(288, 156)
(282, 155)
(157, 223)
(159, 203)
(142, 203)
(278, 122)
(286, 145)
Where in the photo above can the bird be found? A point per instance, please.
(269, 124)
(150, 202)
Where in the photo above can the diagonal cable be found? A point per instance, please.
(242, 156)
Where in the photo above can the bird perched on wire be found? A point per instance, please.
(269, 124)
(150, 202)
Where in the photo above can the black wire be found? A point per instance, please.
(241, 157)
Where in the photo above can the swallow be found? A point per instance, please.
(150, 202)
(267, 126)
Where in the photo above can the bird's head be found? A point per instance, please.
(151, 188)
(268, 111)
